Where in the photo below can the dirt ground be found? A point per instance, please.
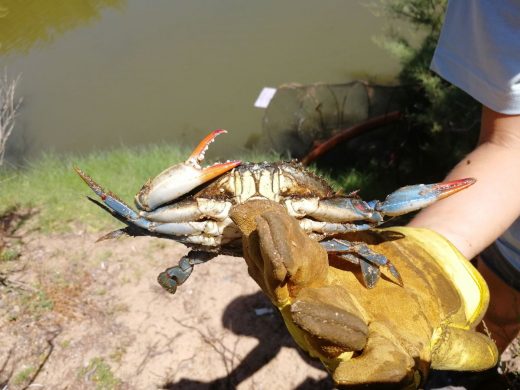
(76, 314)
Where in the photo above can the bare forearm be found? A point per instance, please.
(475, 217)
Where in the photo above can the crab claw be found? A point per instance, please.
(411, 198)
(181, 178)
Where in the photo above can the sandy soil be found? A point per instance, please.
(75, 314)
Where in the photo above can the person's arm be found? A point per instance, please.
(475, 217)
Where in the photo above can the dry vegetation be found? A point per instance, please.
(9, 106)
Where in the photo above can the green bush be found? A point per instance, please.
(441, 121)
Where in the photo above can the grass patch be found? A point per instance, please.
(36, 304)
(65, 344)
(99, 372)
(23, 375)
(9, 254)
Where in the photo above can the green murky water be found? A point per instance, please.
(103, 73)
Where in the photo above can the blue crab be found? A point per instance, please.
(191, 204)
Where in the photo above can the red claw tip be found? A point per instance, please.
(450, 187)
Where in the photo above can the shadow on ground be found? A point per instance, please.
(272, 335)
(267, 326)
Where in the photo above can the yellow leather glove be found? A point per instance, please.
(385, 335)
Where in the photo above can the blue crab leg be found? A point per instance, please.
(371, 274)
(113, 202)
(182, 231)
(416, 197)
(366, 257)
(333, 215)
(173, 277)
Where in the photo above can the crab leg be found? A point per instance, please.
(190, 210)
(181, 178)
(360, 253)
(114, 203)
(339, 209)
(208, 228)
(173, 277)
(310, 225)
(416, 197)
(334, 214)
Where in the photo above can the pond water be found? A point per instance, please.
(96, 74)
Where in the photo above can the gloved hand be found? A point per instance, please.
(385, 335)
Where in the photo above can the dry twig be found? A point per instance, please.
(9, 106)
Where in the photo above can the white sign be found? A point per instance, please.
(263, 100)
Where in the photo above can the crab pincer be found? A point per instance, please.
(172, 183)
(181, 178)
(416, 197)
